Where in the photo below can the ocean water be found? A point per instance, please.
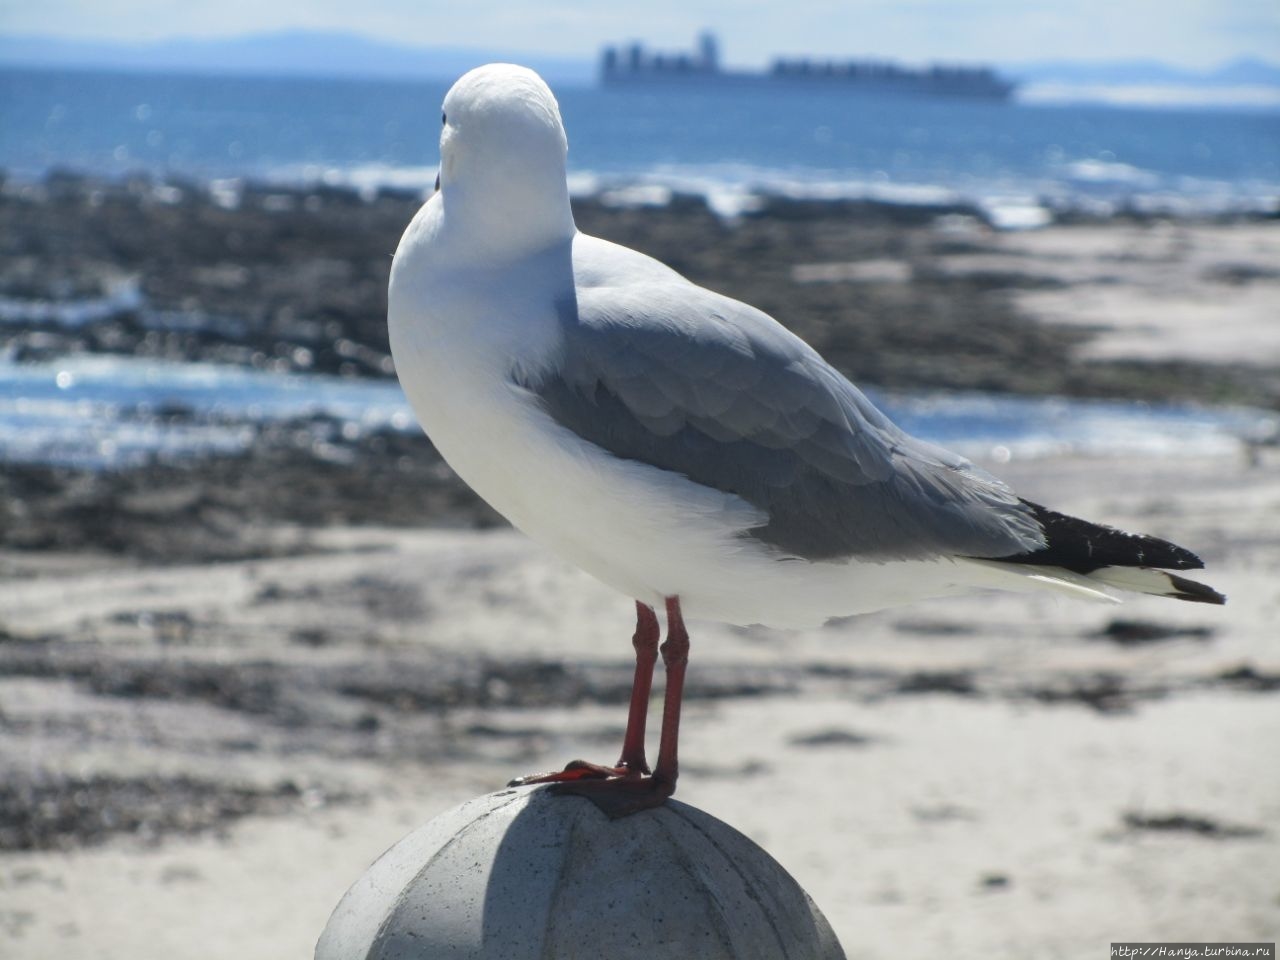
(109, 412)
(724, 144)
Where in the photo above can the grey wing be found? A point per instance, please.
(675, 376)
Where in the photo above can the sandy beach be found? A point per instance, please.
(218, 704)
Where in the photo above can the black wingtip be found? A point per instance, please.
(1185, 589)
(1083, 547)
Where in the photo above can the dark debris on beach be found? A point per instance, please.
(361, 704)
(65, 813)
(293, 478)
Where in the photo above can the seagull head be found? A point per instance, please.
(502, 158)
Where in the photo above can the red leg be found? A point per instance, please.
(675, 657)
(633, 762)
(623, 790)
(645, 642)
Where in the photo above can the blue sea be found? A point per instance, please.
(103, 412)
(722, 143)
(1022, 163)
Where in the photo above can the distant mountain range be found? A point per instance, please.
(289, 53)
(314, 53)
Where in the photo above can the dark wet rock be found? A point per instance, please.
(935, 628)
(1188, 823)
(1131, 633)
(1103, 692)
(492, 732)
(416, 686)
(295, 279)
(942, 813)
(305, 274)
(1238, 274)
(831, 738)
(874, 211)
(249, 687)
(292, 477)
(300, 694)
(165, 626)
(64, 813)
(310, 637)
(1248, 677)
(737, 771)
(958, 682)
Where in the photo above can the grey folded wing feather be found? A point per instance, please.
(675, 376)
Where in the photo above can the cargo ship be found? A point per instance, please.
(633, 65)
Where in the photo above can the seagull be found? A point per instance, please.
(681, 446)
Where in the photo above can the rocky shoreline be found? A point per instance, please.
(294, 280)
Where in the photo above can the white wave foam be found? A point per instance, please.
(123, 296)
(1094, 186)
(365, 178)
(1015, 213)
(1170, 96)
(1109, 171)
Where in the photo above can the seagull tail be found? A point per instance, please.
(1157, 583)
(1083, 558)
(1011, 576)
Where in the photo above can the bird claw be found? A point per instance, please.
(617, 791)
(576, 770)
(618, 797)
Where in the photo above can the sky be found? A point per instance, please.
(1189, 33)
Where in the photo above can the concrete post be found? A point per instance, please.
(524, 874)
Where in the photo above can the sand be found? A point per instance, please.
(1168, 293)
(956, 776)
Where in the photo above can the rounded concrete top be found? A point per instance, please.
(524, 874)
